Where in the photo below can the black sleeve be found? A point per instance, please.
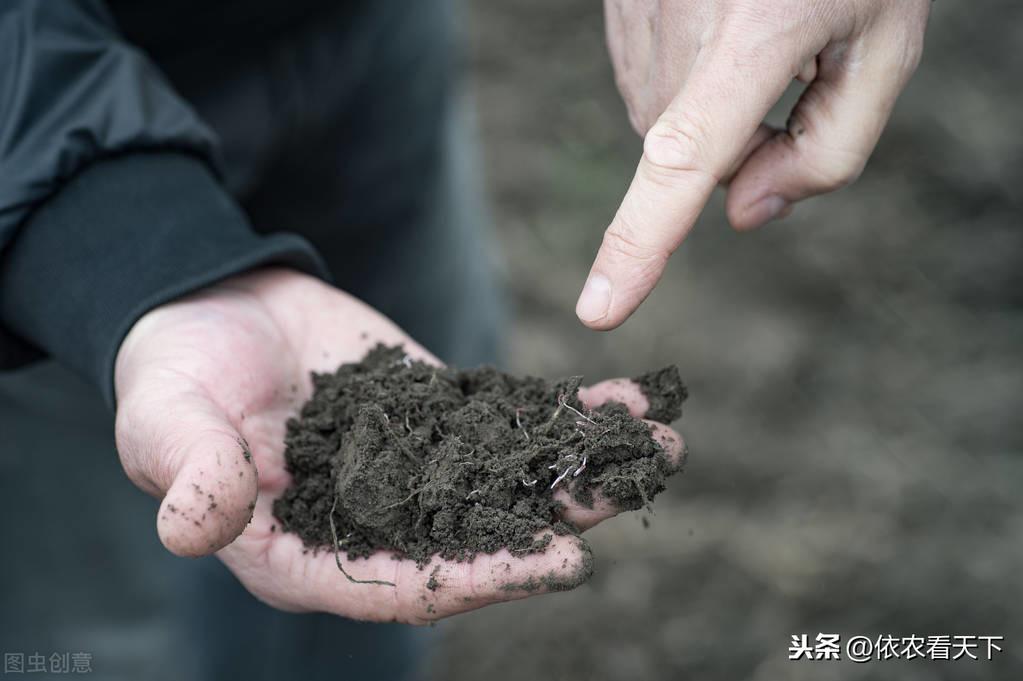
(109, 199)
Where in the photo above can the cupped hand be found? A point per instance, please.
(204, 386)
(698, 78)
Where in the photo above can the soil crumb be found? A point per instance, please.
(424, 460)
(665, 391)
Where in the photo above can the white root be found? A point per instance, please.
(564, 403)
(518, 422)
(569, 469)
(561, 477)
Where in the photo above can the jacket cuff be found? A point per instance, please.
(123, 236)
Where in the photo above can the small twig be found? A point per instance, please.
(472, 493)
(581, 467)
(528, 484)
(337, 553)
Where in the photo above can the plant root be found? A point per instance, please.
(337, 553)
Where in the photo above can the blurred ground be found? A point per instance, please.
(855, 372)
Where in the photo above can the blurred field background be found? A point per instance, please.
(855, 374)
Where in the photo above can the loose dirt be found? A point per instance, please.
(422, 460)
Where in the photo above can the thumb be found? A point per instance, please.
(181, 446)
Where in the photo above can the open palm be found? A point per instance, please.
(204, 386)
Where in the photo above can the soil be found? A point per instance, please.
(423, 460)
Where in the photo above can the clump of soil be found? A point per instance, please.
(392, 453)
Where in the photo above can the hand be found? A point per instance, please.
(698, 77)
(204, 386)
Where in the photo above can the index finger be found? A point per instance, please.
(685, 154)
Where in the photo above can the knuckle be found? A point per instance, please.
(829, 167)
(675, 143)
(623, 241)
(834, 169)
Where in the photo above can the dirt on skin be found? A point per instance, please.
(423, 460)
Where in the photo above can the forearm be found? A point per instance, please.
(109, 201)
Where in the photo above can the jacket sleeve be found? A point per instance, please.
(109, 199)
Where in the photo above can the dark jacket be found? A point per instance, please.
(111, 201)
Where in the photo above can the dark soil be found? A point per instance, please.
(424, 460)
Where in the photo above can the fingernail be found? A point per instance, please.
(769, 208)
(595, 299)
